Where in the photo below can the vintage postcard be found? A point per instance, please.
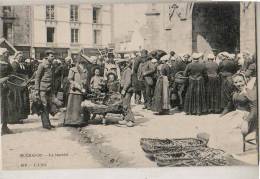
(128, 85)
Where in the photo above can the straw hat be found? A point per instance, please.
(196, 55)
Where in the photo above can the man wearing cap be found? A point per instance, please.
(44, 87)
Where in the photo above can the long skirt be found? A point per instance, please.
(74, 113)
(20, 105)
(7, 105)
(25, 104)
(195, 98)
(161, 98)
(213, 94)
(227, 88)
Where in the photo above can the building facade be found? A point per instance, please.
(201, 27)
(65, 28)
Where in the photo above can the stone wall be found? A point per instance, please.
(165, 34)
(230, 27)
(247, 27)
(22, 26)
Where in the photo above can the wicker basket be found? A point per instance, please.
(209, 156)
(190, 143)
(172, 158)
(155, 146)
(152, 146)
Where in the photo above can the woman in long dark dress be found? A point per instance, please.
(161, 98)
(227, 68)
(75, 115)
(6, 95)
(212, 86)
(195, 98)
(22, 104)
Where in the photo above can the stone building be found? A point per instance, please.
(16, 28)
(200, 26)
(65, 28)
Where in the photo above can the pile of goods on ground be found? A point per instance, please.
(182, 152)
(104, 104)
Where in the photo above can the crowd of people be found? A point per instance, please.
(195, 83)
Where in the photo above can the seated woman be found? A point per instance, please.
(245, 99)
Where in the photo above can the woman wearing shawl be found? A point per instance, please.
(213, 85)
(227, 68)
(161, 98)
(195, 98)
(6, 95)
(75, 115)
(22, 104)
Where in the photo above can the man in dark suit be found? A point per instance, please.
(136, 82)
(44, 87)
(149, 71)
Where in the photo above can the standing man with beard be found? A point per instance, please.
(44, 87)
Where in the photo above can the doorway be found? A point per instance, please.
(216, 27)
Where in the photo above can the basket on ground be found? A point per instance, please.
(154, 146)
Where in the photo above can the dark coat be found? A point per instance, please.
(196, 70)
(149, 72)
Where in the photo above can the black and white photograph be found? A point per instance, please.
(128, 85)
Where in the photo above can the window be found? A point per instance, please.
(74, 35)
(74, 13)
(7, 10)
(50, 34)
(8, 31)
(97, 37)
(50, 12)
(96, 14)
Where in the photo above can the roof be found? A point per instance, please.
(5, 44)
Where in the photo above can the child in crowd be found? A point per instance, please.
(96, 82)
(113, 85)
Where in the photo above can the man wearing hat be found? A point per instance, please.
(127, 92)
(44, 87)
